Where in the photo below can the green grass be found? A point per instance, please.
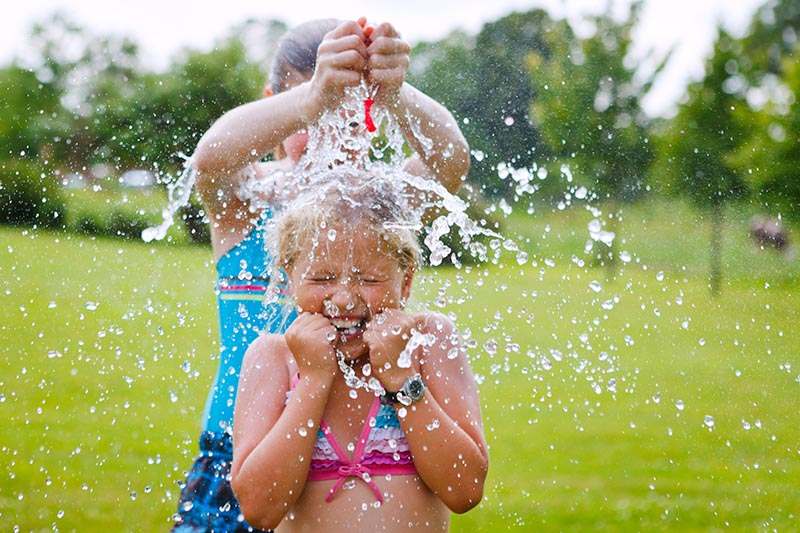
(86, 396)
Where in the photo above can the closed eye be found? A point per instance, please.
(371, 281)
(320, 278)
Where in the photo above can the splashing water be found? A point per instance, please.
(347, 154)
(179, 193)
(343, 156)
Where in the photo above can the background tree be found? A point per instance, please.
(164, 115)
(588, 110)
(770, 159)
(485, 83)
(30, 115)
(773, 34)
(695, 150)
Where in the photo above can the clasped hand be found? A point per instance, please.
(354, 50)
(311, 339)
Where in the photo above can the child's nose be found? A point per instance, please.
(345, 297)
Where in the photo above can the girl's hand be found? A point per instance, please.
(310, 340)
(387, 63)
(387, 335)
(341, 59)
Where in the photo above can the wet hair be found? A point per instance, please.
(297, 50)
(307, 221)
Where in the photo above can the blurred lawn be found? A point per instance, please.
(109, 348)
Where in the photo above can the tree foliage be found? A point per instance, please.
(589, 107)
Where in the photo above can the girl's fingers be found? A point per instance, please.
(349, 27)
(378, 62)
(347, 78)
(387, 46)
(385, 29)
(348, 42)
(362, 21)
(349, 59)
(390, 75)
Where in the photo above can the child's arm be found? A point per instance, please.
(444, 428)
(447, 159)
(430, 129)
(273, 443)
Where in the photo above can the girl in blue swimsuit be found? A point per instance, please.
(313, 65)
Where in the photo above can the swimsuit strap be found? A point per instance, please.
(350, 467)
(353, 467)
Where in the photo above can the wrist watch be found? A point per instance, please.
(412, 391)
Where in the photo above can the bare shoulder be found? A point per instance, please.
(266, 358)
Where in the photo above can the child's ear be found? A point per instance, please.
(408, 280)
(268, 91)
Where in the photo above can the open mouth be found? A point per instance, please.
(348, 328)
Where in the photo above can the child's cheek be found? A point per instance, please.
(387, 299)
(311, 299)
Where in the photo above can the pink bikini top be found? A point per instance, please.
(381, 450)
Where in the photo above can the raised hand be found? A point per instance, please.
(310, 339)
(387, 62)
(387, 335)
(341, 60)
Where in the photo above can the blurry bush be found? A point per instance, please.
(117, 223)
(29, 195)
(197, 225)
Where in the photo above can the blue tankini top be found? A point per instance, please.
(242, 280)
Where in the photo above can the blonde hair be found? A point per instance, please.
(306, 222)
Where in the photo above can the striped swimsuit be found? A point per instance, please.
(382, 449)
(207, 502)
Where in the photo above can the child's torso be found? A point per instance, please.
(363, 437)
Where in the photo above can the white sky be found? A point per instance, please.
(164, 26)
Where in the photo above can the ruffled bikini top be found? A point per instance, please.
(381, 450)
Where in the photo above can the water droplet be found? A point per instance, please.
(491, 347)
(595, 286)
(708, 420)
(331, 234)
(91, 306)
(679, 405)
(509, 121)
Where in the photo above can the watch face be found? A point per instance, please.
(415, 388)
